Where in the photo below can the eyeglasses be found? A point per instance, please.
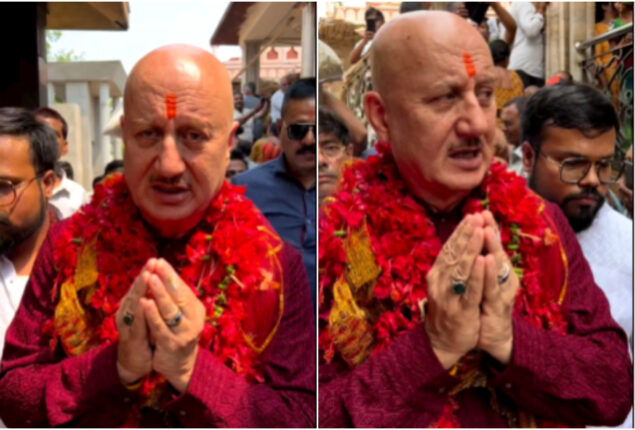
(8, 193)
(331, 150)
(298, 131)
(572, 170)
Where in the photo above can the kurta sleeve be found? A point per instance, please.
(584, 378)
(401, 386)
(41, 388)
(217, 396)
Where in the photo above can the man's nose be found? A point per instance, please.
(591, 179)
(309, 137)
(473, 121)
(170, 162)
(321, 159)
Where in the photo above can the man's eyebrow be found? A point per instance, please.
(446, 84)
(574, 154)
(488, 79)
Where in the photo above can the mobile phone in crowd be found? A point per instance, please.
(370, 25)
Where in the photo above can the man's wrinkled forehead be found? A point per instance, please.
(160, 101)
(427, 40)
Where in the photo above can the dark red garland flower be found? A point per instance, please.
(229, 261)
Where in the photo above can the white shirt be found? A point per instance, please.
(529, 43)
(276, 105)
(366, 47)
(11, 290)
(68, 197)
(607, 246)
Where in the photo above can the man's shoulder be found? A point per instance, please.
(265, 171)
(278, 95)
(521, 6)
(74, 186)
(616, 220)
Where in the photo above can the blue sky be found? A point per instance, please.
(152, 24)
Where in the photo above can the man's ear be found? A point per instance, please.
(349, 150)
(232, 135)
(48, 184)
(376, 114)
(529, 156)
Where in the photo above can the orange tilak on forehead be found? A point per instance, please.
(469, 64)
(170, 106)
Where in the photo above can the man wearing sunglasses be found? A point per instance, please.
(28, 151)
(284, 188)
(569, 141)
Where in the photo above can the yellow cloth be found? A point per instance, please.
(503, 95)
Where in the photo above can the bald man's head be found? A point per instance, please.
(178, 130)
(433, 80)
(408, 42)
(171, 68)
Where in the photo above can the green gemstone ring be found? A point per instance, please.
(458, 287)
(128, 318)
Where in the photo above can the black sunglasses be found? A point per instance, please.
(298, 131)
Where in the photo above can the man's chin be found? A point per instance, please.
(326, 189)
(6, 244)
(172, 221)
(583, 217)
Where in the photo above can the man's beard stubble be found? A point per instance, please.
(12, 236)
(580, 221)
(583, 220)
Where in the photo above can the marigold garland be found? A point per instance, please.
(231, 262)
(374, 200)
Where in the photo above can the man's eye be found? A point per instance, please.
(148, 134)
(485, 96)
(193, 136)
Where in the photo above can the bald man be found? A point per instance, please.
(169, 301)
(451, 295)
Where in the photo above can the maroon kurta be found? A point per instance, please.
(584, 378)
(42, 388)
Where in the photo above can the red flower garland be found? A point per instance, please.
(405, 246)
(230, 262)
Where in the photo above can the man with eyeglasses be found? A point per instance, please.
(284, 188)
(28, 151)
(569, 151)
(335, 149)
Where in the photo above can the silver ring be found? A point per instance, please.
(175, 321)
(128, 318)
(505, 275)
